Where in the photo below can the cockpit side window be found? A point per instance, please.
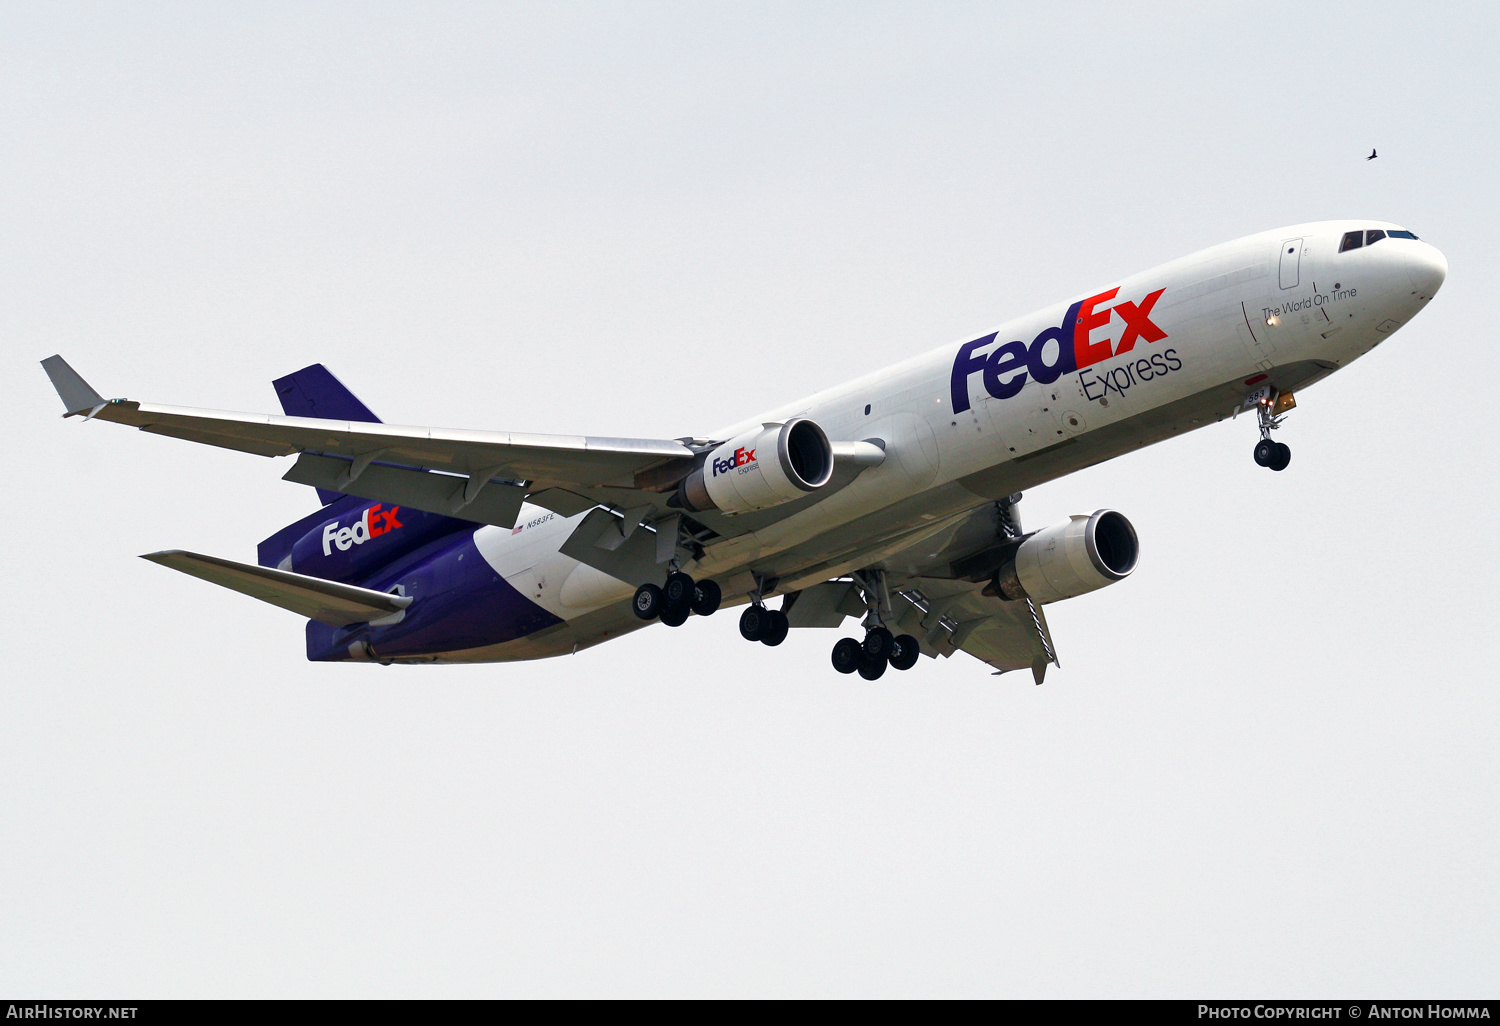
(1401, 235)
(1352, 240)
(1373, 236)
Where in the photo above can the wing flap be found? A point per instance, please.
(824, 605)
(473, 498)
(614, 546)
(325, 601)
(959, 617)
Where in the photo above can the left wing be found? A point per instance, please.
(483, 476)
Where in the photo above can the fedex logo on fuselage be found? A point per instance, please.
(372, 523)
(739, 458)
(1006, 368)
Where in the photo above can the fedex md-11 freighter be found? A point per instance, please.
(892, 498)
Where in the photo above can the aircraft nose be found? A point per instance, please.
(1427, 268)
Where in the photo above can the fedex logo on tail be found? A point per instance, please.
(1007, 368)
(372, 523)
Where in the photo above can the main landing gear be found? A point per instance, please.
(678, 596)
(1276, 455)
(879, 648)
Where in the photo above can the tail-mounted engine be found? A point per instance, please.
(1079, 555)
(760, 469)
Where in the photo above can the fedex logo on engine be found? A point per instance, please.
(739, 458)
(372, 523)
(1007, 367)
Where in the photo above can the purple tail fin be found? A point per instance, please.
(313, 391)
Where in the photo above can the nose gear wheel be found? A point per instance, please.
(1275, 455)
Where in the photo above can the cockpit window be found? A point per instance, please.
(1373, 236)
(1402, 235)
(1352, 240)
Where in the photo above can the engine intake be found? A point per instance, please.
(1079, 555)
(760, 469)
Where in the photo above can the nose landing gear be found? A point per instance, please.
(1271, 409)
(1276, 455)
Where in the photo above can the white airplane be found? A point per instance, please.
(892, 498)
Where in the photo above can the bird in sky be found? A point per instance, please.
(1372, 155)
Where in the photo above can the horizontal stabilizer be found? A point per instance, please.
(325, 601)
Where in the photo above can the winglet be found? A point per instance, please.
(75, 393)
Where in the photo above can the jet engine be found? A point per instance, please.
(1079, 555)
(759, 469)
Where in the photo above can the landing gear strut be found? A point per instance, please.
(1276, 455)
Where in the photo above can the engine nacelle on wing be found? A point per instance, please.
(1079, 555)
(760, 469)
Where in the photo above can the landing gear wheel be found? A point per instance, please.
(775, 632)
(847, 655)
(678, 591)
(647, 602)
(906, 651)
(872, 669)
(1265, 452)
(674, 617)
(706, 596)
(1282, 458)
(753, 622)
(877, 645)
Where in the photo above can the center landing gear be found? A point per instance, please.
(1276, 455)
(678, 596)
(767, 626)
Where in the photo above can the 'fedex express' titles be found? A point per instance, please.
(1007, 367)
(741, 457)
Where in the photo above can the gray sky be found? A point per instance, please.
(1268, 765)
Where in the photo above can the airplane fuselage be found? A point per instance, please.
(1157, 354)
